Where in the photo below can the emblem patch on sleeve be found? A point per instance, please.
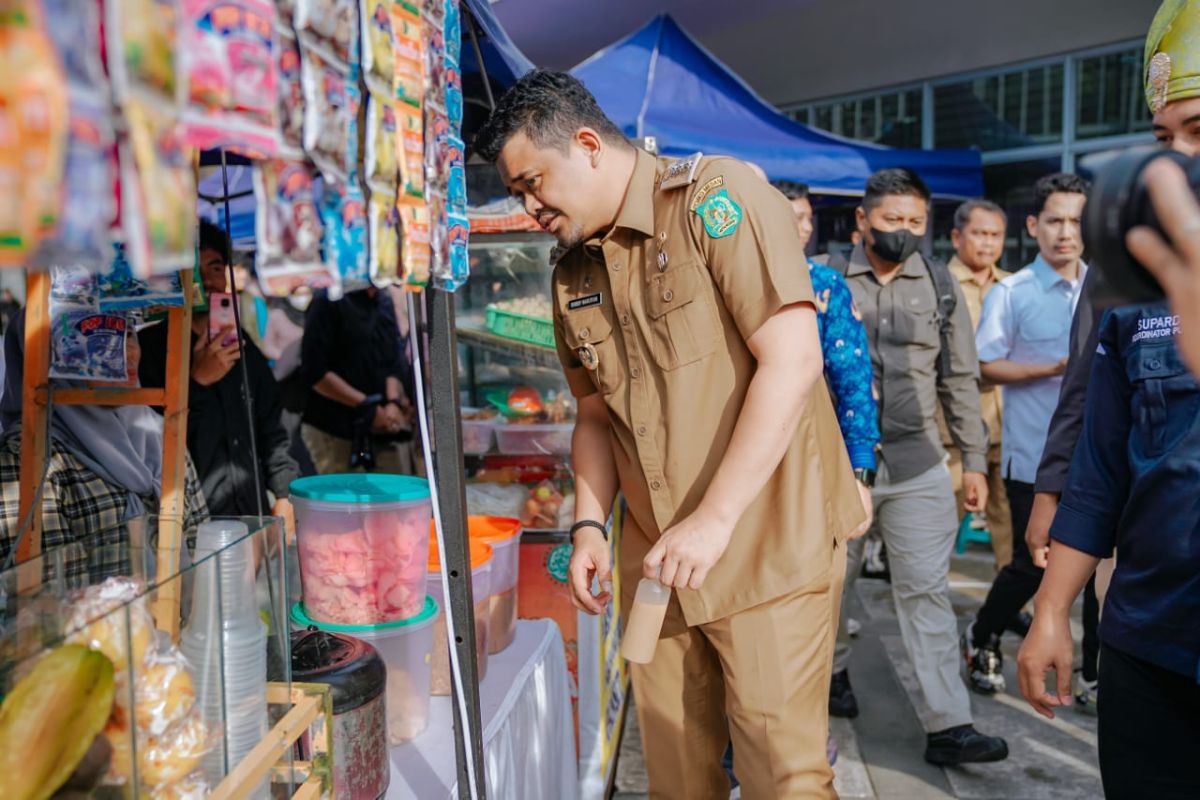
(720, 214)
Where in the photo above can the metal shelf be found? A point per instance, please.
(476, 336)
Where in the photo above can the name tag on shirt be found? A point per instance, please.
(585, 302)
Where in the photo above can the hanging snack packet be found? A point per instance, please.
(453, 272)
(119, 290)
(415, 245)
(439, 234)
(437, 145)
(73, 285)
(452, 28)
(291, 95)
(232, 76)
(142, 37)
(329, 26)
(456, 174)
(434, 52)
(410, 66)
(33, 137)
(412, 155)
(86, 345)
(158, 193)
(383, 144)
(76, 36)
(288, 229)
(454, 95)
(329, 111)
(378, 45)
(345, 220)
(385, 240)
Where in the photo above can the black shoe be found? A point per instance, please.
(985, 664)
(842, 702)
(1020, 624)
(963, 745)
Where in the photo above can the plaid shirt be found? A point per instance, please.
(84, 530)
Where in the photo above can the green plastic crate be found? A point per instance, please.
(520, 327)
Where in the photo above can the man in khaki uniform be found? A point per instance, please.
(978, 239)
(686, 328)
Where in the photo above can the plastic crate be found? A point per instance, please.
(520, 327)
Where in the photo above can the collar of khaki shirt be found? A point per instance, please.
(637, 208)
(914, 267)
(966, 275)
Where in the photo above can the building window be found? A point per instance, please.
(1011, 185)
(892, 119)
(1001, 112)
(1111, 102)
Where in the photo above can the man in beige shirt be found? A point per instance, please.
(978, 239)
(686, 327)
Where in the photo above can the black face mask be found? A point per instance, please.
(894, 246)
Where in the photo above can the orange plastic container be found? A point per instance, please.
(481, 569)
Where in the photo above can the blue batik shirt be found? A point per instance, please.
(847, 364)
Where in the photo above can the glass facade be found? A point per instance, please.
(1001, 112)
(892, 118)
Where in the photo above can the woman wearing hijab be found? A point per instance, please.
(104, 471)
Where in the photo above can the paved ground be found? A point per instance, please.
(880, 751)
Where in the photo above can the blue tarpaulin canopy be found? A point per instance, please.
(660, 82)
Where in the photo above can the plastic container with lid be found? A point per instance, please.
(516, 439)
(481, 569)
(362, 540)
(504, 536)
(477, 434)
(406, 648)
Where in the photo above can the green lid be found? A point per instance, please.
(428, 612)
(361, 487)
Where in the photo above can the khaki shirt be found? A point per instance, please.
(902, 325)
(661, 310)
(991, 399)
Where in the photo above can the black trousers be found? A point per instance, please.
(1149, 730)
(1018, 582)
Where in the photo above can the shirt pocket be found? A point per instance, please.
(683, 324)
(1165, 398)
(589, 334)
(915, 320)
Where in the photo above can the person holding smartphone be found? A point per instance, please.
(219, 426)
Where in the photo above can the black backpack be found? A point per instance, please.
(943, 287)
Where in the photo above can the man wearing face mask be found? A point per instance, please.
(923, 352)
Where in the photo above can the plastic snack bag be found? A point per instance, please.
(288, 229)
(291, 95)
(452, 27)
(73, 285)
(86, 345)
(119, 290)
(33, 137)
(415, 252)
(232, 76)
(412, 154)
(378, 45)
(434, 52)
(344, 215)
(437, 145)
(142, 36)
(158, 193)
(385, 240)
(410, 65)
(456, 175)
(453, 272)
(329, 26)
(454, 95)
(330, 107)
(76, 35)
(383, 144)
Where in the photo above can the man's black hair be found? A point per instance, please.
(213, 237)
(900, 180)
(792, 190)
(962, 215)
(548, 107)
(1067, 182)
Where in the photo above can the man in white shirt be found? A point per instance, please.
(1023, 343)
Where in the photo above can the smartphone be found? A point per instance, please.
(220, 317)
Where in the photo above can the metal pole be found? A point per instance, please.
(456, 561)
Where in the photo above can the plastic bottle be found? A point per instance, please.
(645, 621)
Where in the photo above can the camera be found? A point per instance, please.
(1118, 203)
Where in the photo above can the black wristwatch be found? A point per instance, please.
(865, 476)
(588, 523)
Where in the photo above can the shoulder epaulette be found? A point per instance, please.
(681, 172)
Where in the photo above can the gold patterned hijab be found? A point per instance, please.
(1172, 60)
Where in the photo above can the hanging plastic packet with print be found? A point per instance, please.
(344, 216)
(384, 219)
(378, 46)
(411, 154)
(33, 120)
(328, 26)
(87, 345)
(142, 38)
(434, 55)
(415, 253)
(383, 144)
(452, 268)
(158, 192)
(233, 81)
(330, 109)
(288, 229)
(452, 31)
(291, 95)
(454, 165)
(118, 289)
(410, 66)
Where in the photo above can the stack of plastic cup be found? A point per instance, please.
(226, 642)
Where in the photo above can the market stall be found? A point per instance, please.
(345, 120)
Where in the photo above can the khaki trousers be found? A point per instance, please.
(999, 518)
(331, 454)
(760, 677)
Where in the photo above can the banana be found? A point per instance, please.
(49, 720)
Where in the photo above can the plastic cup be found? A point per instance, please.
(481, 569)
(504, 536)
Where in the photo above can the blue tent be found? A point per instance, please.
(660, 82)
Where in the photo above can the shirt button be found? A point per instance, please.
(668, 296)
(655, 485)
(635, 373)
(585, 333)
(641, 430)
(1155, 364)
(616, 266)
(624, 319)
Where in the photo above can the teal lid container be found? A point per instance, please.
(361, 488)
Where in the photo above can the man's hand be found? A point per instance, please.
(1037, 534)
(1047, 646)
(591, 559)
(864, 494)
(388, 419)
(1175, 263)
(975, 491)
(1059, 368)
(211, 361)
(684, 554)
